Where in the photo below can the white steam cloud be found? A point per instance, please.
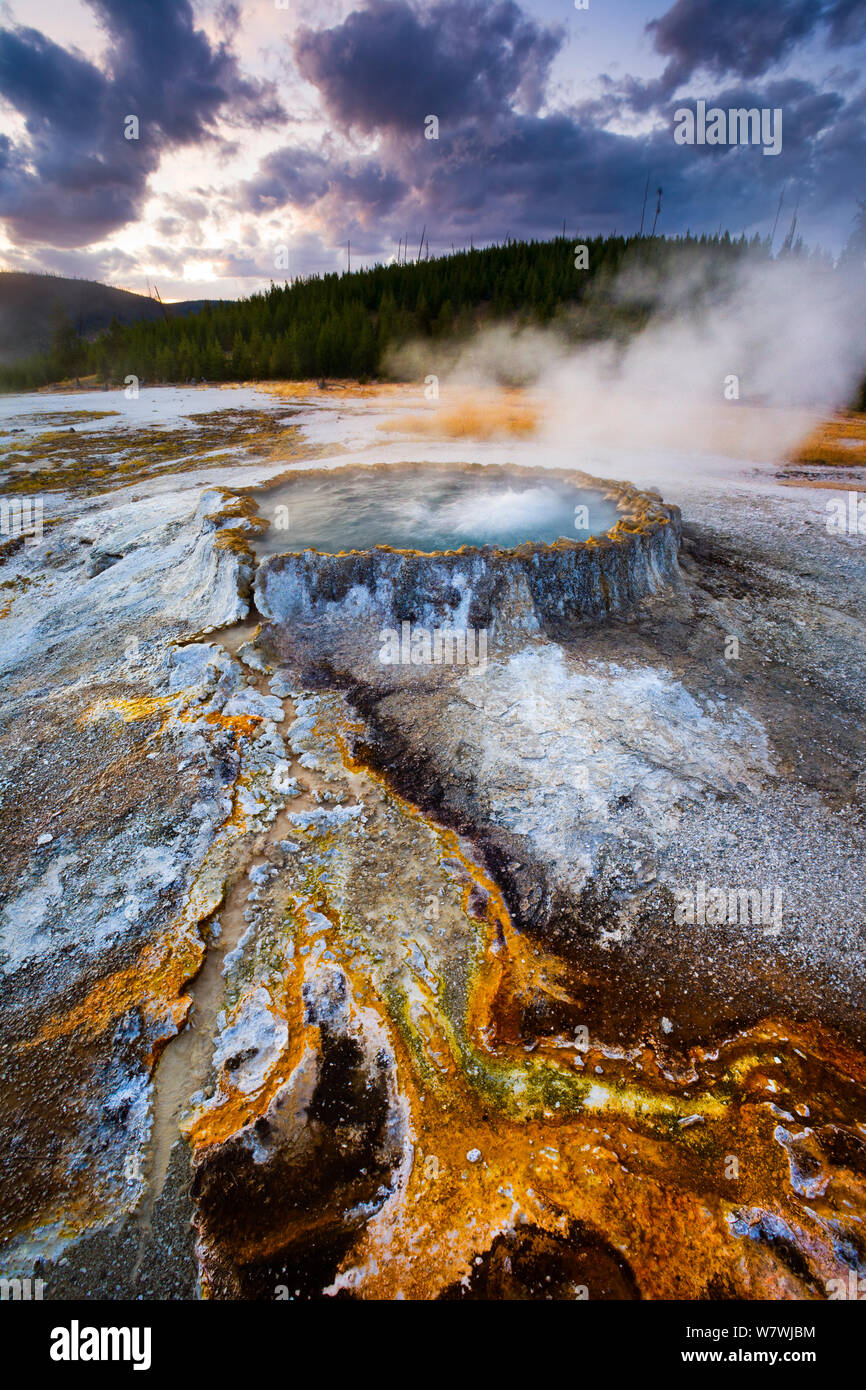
(788, 336)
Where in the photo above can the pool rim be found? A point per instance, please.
(643, 509)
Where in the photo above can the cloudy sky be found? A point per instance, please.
(300, 124)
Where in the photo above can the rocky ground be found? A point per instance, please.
(321, 977)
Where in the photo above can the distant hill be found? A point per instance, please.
(31, 304)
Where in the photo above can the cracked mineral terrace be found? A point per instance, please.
(329, 978)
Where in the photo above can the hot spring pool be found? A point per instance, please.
(426, 508)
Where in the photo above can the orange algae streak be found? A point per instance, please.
(163, 968)
(509, 1135)
(478, 418)
(643, 1163)
(155, 981)
(130, 711)
(233, 1108)
(244, 725)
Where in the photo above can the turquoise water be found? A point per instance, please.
(425, 509)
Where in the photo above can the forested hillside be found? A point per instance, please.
(345, 325)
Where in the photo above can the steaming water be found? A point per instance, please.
(425, 509)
